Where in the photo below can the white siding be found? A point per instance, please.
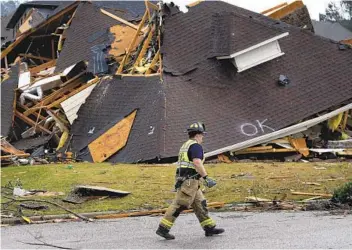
(72, 104)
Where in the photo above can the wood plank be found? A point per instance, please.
(274, 8)
(123, 36)
(31, 31)
(35, 57)
(26, 108)
(154, 61)
(121, 20)
(274, 150)
(112, 140)
(73, 82)
(5, 157)
(300, 145)
(8, 148)
(57, 102)
(345, 118)
(31, 122)
(43, 66)
(194, 3)
(286, 10)
(312, 194)
(119, 70)
(153, 6)
(144, 48)
(259, 148)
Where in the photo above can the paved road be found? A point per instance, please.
(243, 230)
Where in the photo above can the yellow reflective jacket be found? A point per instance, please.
(183, 160)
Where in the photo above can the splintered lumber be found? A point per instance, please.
(273, 150)
(112, 140)
(65, 97)
(300, 145)
(70, 84)
(35, 57)
(5, 157)
(132, 44)
(31, 122)
(312, 194)
(155, 211)
(153, 6)
(312, 183)
(195, 3)
(144, 48)
(119, 19)
(31, 31)
(286, 10)
(154, 61)
(43, 66)
(274, 8)
(8, 148)
(256, 199)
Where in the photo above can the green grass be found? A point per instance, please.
(151, 185)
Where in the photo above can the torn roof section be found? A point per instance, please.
(246, 42)
(237, 107)
(110, 102)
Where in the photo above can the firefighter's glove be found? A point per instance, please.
(209, 182)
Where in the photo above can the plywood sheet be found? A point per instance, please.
(123, 37)
(112, 140)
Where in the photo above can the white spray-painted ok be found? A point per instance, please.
(253, 129)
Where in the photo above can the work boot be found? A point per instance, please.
(210, 231)
(164, 232)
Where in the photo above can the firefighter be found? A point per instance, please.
(189, 174)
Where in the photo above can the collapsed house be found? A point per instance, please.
(120, 82)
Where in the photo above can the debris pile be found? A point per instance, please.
(119, 81)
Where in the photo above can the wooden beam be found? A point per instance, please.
(147, 8)
(5, 157)
(119, 19)
(274, 150)
(154, 61)
(287, 10)
(144, 48)
(274, 8)
(344, 123)
(260, 148)
(57, 102)
(31, 122)
(132, 43)
(312, 194)
(138, 75)
(35, 57)
(43, 66)
(34, 113)
(194, 3)
(153, 6)
(43, 24)
(72, 83)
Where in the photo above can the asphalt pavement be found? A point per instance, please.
(281, 230)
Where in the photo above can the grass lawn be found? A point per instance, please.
(151, 185)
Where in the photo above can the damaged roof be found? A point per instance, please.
(240, 106)
(52, 7)
(88, 29)
(109, 103)
(7, 99)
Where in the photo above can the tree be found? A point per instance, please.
(337, 11)
(8, 7)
